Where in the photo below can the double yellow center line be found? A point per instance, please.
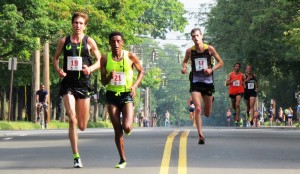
(182, 160)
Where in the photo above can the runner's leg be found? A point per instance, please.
(128, 113)
(69, 102)
(237, 105)
(196, 96)
(233, 104)
(207, 101)
(114, 114)
(83, 112)
(252, 101)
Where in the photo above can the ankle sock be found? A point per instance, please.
(76, 155)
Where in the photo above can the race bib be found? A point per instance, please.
(250, 85)
(200, 64)
(74, 63)
(118, 79)
(236, 83)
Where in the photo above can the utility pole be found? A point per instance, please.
(96, 96)
(35, 80)
(13, 62)
(46, 73)
(178, 57)
(146, 108)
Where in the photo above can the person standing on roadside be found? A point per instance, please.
(280, 115)
(290, 116)
(154, 116)
(167, 119)
(201, 76)
(228, 115)
(76, 73)
(235, 81)
(298, 112)
(118, 77)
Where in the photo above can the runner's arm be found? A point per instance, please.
(215, 54)
(104, 78)
(136, 63)
(243, 81)
(256, 81)
(185, 61)
(229, 80)
(95, 51)
(58, 51)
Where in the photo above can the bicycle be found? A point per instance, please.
(41, 116)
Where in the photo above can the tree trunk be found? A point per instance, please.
(14, 104)
(21, 94)
(63, 111)
(3, 97)
(28, 103)
(35, 80)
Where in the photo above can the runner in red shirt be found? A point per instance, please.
(235, 81)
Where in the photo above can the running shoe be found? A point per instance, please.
(77, 163)
(201, 140)
(236, 123)
(121, 165)
(129, 133)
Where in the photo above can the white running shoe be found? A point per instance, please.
(77, 163)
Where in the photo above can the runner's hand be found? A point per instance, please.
(183, 70)
(61, 73)
(132, 93)
(208, 71)
(112, 74)
(86, 70)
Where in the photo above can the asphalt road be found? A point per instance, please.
(154, 151)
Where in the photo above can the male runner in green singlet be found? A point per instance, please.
(117, 76)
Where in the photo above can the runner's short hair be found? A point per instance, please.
(79, 14)
(115, 33)
(237, 64)
(196, 29)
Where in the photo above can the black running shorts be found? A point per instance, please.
(79, 89)
(233, 96)
(118, 100)
(203, 88)
(249, 94)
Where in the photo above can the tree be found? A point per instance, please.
(263, 34)
(24, 21)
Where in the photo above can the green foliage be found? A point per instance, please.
(174, 88)
(25, 21)
(99, 124)
(161, 16)
(265, 35)
(18, 125)
(152, 78)
(21, 125)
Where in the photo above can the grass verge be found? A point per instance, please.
(23, 125)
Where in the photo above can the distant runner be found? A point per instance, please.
(251, 87)
(235, 81)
